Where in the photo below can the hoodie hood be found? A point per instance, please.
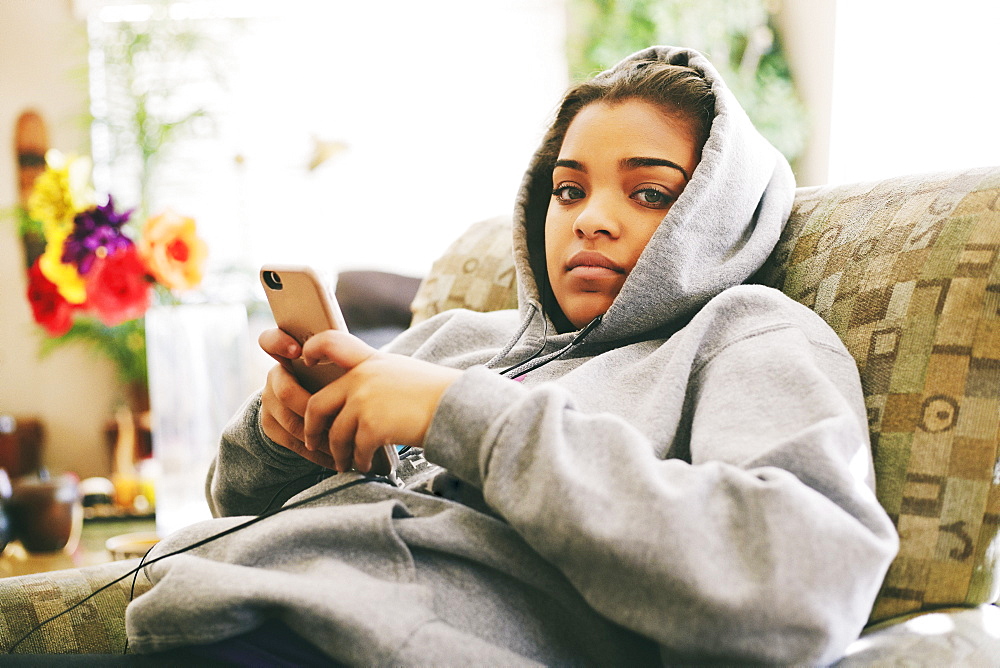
(716, 235)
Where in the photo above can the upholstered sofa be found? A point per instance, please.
(907, 271)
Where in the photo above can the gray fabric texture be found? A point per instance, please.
(691, 481)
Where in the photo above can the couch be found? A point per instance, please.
(907, 271)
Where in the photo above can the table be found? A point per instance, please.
(89, 550)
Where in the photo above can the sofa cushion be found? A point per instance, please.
(476, 272)
(97, 626)
(907, 272)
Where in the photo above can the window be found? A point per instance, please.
(914, 88)
(426, 113)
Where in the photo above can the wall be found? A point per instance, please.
(807, 30)
(894, 86)
(42, 57)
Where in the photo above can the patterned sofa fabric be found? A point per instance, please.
(96, 626)
(476, 272)
(907, 272)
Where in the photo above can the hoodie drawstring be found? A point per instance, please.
(517, 337)
(528, 365)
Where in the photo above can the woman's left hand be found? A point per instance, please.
(382, 399)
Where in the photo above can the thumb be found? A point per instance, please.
(336, 347)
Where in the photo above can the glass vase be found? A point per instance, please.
(198, 358)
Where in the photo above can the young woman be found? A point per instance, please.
(647, 461)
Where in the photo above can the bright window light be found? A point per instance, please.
(914, 88)
(931, 624)
(351, 135)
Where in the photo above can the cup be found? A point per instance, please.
(131, 545)
(47, 513)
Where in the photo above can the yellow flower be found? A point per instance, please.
(65, 276)
(172, 250)
(59, 193)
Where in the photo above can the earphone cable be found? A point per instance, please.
(204, 541)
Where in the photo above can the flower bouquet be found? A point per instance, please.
(99, 271)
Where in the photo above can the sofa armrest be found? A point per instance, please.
(97, 626)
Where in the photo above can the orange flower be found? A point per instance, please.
(172, 250)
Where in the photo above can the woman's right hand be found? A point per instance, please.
(283, 401)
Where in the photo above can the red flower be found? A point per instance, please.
(118, 288)
(51, 310)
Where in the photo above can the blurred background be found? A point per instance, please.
(368, 135)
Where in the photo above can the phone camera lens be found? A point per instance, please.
(272, 280)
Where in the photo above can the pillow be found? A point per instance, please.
(476, 272)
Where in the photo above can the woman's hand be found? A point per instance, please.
(382, 399)
(283, 401)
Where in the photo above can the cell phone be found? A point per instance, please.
(302, 306)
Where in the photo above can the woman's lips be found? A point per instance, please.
(591, 265)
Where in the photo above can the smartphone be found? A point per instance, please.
(302, 306)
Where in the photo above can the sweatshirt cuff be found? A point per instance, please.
(463, 429)
(264, 448)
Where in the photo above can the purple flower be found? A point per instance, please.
(97, 232)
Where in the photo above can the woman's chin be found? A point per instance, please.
(581, 309)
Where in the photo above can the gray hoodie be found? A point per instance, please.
(687, 478)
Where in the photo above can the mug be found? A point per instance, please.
(47, 513)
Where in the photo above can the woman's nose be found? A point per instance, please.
(598, 217)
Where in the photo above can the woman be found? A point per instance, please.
(649, 461)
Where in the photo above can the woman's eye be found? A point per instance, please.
(567, 193)
(653, 198)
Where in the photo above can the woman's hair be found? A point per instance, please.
(678, 90)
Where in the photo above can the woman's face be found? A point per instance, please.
(620, 168)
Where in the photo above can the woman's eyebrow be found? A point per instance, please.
(571, 164)
(636, 163)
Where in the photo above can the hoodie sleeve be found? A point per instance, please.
(251, 473)
(764, 541)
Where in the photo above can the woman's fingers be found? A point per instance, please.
(340, 441)
(279, 345)
(332, 426)
(316, 457)
(321, 410)
(283, 405)
(336, 347)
